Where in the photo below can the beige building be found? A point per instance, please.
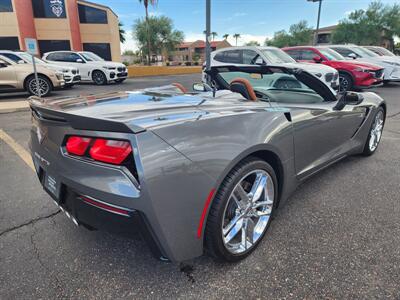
(196, 51)
(60, 25)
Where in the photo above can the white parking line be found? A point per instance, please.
(21, 152)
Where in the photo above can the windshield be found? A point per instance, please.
(89, 56)
(364, 52)
(331, 54)
(28, 58)
(277, 56)
(275, 87)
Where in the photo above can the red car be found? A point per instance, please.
(352, 75)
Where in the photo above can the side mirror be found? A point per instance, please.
(3, 64)
(317, 59)
(199, 87)
(349, 98)
(259, 61)
(79, 60)
(21, 62)
(352, 55)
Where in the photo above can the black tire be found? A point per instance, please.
(45, 83)
(214, 244)
(120, 80)
(367, 149)
(346, 82)
(99, 78)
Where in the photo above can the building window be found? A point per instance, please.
(9, 43)
(101, 49)
(91, 15)
(324, 38)
(6, 6)
(53, 45)
(48, 8)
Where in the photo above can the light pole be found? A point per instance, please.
(208, 29)
(319, 16)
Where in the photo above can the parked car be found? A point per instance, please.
(390, 63)
(91, 66)
(252, 55)
(71, 74)
(352, 75)
(20, 77)
(380, 50)
(198, 173)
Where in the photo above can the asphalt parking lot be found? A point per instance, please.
(337, 237)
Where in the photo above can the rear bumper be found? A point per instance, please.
(94, 217)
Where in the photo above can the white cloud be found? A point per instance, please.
(239, 14)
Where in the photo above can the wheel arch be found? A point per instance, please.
(263, 152)
(39, 74)
(347, 73)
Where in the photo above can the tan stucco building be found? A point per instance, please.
(60, 25)
(196, 51)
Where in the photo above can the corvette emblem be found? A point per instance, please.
(57, 7)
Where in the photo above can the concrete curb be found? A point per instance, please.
(14, 106)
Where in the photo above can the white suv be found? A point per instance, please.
(252, 55)
(71, 74)
(91, 66)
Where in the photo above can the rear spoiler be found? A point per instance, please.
(80, 122)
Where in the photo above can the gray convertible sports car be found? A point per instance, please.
(197, 172)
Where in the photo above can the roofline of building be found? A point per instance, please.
(99, 5)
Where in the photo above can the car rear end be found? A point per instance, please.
(107, 172)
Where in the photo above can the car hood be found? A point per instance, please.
(59, 68)
(312, 68)
(106, 64)
(355, 64)
(143, 109)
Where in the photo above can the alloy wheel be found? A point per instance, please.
(248, 211)
(343, 84)
(376, 131)
(43, 87)
(99, 78)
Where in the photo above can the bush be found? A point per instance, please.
(125, 63)
(188, 63)
(196, 63)
(167, 64)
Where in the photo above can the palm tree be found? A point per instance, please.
(236, 36)
(214, 34)
(121, 32)
(225, 36)
(146, 7)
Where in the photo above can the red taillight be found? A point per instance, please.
(77, 145)
(110, 151)
(108, 207)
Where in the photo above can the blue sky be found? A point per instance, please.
(253, 19)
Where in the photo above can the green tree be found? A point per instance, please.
(225, 36)
(146, 7)
(299, 34)
(236, 36)
(252, 43)
(370, 26)
(162, 39)
(121, 32)
(281, 39)
(214, 34)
